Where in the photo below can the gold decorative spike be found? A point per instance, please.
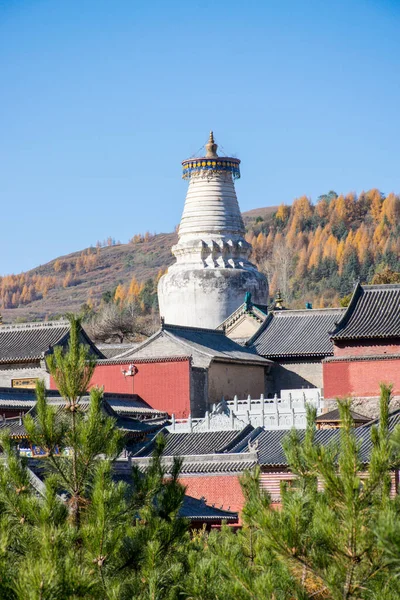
(211, 147)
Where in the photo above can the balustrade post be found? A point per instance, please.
(235, 404)
(173, 421)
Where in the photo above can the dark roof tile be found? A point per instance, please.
(334, 416)
(196, 509)
(122, 404)
(373, 312)
(291, 333)
(192, 443)
(125, 423)
(271, 454)
(31, 341)
(211, 343)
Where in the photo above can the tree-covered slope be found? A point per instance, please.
(311, 252)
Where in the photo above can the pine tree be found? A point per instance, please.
(79, 533)
(326, 532)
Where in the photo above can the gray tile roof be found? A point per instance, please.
(296, 333)
(192, 443)
(112, 350)
(269, 442)
(127, 424)
(20, 398)
(255, 446)
(204, 464)
(31, 341)
(363, 434)
(197, 509)
(217, 466)
(373, 312)
(258, 311)
(206, 344)
(14, 425)
(121, 404)
(334, 416)
(136, 407)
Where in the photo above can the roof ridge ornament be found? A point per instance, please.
(211, 147)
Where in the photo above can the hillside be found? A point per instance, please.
(68, 282)
(311, 252)
(52, 293)
(316, 252)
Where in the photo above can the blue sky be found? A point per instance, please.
(102, 99)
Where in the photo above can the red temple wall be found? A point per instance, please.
(222, 490)
(360, 378)
(162, 385)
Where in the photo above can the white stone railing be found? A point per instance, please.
(271, 413)
(278, 413)
(185, 425)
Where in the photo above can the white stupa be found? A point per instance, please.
(212, 272)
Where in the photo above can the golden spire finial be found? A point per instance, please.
(211, 147)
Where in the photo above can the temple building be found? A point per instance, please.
(212, 272)
(366, 349)
(297, 341)
(24, 347)
(213, 461)
(245, 321)
(185, 370)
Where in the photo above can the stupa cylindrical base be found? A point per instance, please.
(206, 297)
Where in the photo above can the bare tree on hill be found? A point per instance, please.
(114, 323)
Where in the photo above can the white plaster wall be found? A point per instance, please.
(228, 380)
(10, 372)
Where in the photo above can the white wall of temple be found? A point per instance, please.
(9, 374)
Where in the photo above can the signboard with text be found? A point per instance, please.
(25, 382)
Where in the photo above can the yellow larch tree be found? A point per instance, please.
(283, 213)
(120, 294)
(330, 247)
(375, 197)
(391, 209)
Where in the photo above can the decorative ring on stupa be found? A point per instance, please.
(220, 164)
